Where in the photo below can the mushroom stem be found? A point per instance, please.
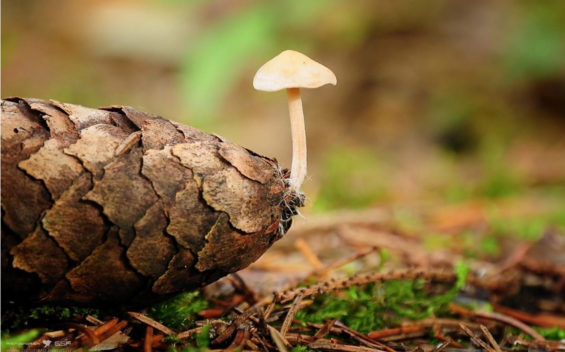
(298, 130)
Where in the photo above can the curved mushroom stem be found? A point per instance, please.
(298, 168)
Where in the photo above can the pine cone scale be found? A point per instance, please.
(77, 226)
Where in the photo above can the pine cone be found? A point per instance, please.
(115, 205)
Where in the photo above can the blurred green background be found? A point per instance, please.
(447, 103)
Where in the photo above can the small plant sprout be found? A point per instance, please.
(292, 70)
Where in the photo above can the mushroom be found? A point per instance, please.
(292, 70)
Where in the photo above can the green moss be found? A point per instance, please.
(179, 311)
(18, 341)
(554, 334)
(23, 316)
(171, 338)
(203, 339)
(374, 306)
(301, 348)
(408, 300)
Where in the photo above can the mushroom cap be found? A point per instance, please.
(291, 69)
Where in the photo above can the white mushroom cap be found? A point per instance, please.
(291, 69)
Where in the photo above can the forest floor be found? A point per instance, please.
(424, 278)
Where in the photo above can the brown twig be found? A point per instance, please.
(241, 338)
(279, 340)
(107, 325)
(148, 342)
(100, 330)
(291, 313)
(307, 252)
(438, 334)
(264, 343)
(442, 346)
(109, 333)
(239, 285)
(499, 318)
(55, 334)
(268, 311)
(352, 332)
(326, 345)
(324, 330)
(405, 274)
(158, 326)
(419, 326)
(211, 313)
(188, 333)
(334, 329)
(295, 339)
(410, 336)
(402, 330)
(476, 339)
(252, 318)
(490, 339)
(251, 345)
(93, 320)
(324, 270)
(155, 342)
(86, 331)
(545, 320)
(230, 329)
